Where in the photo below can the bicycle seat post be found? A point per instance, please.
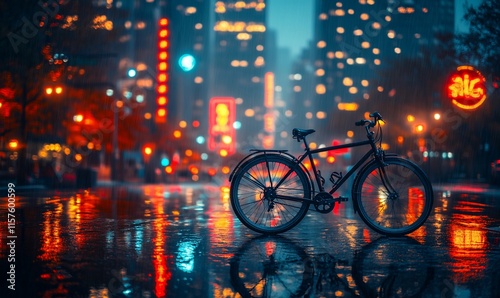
(305, 143)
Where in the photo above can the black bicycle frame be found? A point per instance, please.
(309, 153)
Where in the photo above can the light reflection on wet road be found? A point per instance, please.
(184, 241)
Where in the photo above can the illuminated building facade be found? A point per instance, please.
(354, 40)
(186, 42)
(136, 76)
(189, 60)
(239, 63)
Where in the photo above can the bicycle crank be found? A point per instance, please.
(324, 202)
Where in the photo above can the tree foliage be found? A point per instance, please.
(64, 43)
(481, 45)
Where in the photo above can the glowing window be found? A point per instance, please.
(249, 112)
(320, 115)
(259, 62)
(320, 89)
(339, 12)
(347, 81)
(360, 60)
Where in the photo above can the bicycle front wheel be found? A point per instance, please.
(395, 198)
(269, 194)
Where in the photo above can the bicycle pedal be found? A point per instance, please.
(341, 199)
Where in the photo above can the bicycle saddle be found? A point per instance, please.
(298, 132)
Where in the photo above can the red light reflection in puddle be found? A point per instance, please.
(468, 242)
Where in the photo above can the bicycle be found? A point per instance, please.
(275, 266)
(271, 190)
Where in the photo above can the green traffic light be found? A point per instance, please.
(187, 62)
(131, 73)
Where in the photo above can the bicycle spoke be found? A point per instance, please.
(270, 194)
(254, 181)
(393, 199)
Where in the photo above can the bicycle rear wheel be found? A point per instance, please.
(269, 193)
(394, 199)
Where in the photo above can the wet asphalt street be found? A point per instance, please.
(184, 241)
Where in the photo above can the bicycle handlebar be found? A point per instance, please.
(362, 122)
(376, 117)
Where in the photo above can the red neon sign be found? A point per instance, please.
(163, 69)
(222, 114)
(466, 88)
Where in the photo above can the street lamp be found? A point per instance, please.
(419, 128)
(13, 144)
(54, 90)
(78, 118)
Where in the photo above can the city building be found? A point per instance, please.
(239, 64)
(189, 61)
(354, 40)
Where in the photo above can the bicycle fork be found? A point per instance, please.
(392, 194)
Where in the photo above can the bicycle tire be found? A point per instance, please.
(388, 212)
(255, 181)
(394, 275)
(271, 266)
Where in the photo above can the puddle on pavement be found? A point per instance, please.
(162, 241)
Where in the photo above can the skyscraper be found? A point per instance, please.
(356, 39)
(239, 62)
(189, 52)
